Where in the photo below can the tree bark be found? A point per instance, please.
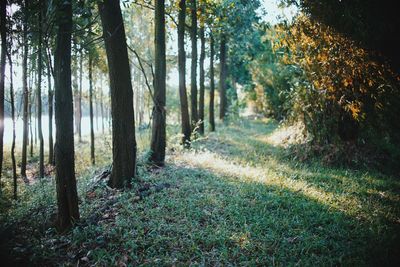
(96, 107)
(158, 137)
(193, 77)
(185, 120)
(39, 95)
(79, 102)
(31, 138)
(202, 78)
(212, 84)
(222, 79)
(123, 121)
(3, 14)
(50, 95)
(12, 102)
(92, 156)
(75, 87)
(101, 105)
(67, 197)
(25, 94)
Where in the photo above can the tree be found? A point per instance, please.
(185, 120)
(50, 96)
(67, 196)
(3, 28)
(193, 73)
(222, 78)
(12, 103)
(212, 84)
(202, 78)
(25, 112)
(48, 38)
(123, 121)
(39, 93)
(158, 137)
(79, 98)
(92, 156)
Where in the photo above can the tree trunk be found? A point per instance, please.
(3, 15)
(34, 101)
(79, 102)
(202, 77)
(39, 96)
(92, 156)
(31, 101)
(185, 120)
(96, 105)
(158, 137)
(222, 79)
(67, 197)
(212, 84)
(75, 88)
(101, 105)
(12, 102)
(123, 121)
(50, 94)
(31, 139)
(26, 96)
(193, 77)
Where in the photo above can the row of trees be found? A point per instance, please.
(65, 28)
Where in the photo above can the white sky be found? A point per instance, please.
(275, 13)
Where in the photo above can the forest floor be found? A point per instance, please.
(235, 198)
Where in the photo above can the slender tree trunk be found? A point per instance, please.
(212, 84)
(3, 15)
(123, 121)
(185, 120)
(202, 78)
(26, 96)
(158, 137)
(79, 102)
(39, 96)
(67, 196)
(31, 139)
(222, 79)
(143, 102)
(75, 88)
(12, 102)
(92, 156)
(193, 77)
(101, 105)
(50, 94)
(35, 105)
(96, 105)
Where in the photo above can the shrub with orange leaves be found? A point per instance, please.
(338, 89)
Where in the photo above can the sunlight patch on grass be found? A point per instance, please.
(284, 136)
(211, 161)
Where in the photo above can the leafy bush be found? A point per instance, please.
(341, 91)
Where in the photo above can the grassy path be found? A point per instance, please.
(233, 200)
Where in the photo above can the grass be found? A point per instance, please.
(235, 198)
